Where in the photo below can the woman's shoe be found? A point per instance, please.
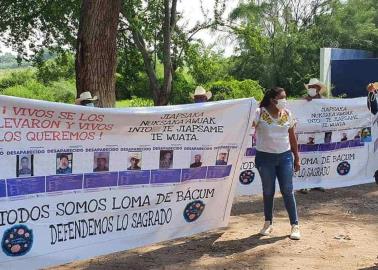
(267, 229)
(295, 234)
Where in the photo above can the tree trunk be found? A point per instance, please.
(96, 49)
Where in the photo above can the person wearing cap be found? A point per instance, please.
(315, 89)
(311, 140)
(134, 162)
(200, 95)
(86, 99)
(102, 161)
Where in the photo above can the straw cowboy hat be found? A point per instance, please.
(315, 81)
(200, 91)
(85, 96)
(137, 156)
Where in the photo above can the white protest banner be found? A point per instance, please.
(78, 182)
(336, 143)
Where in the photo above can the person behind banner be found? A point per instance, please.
(372, 98)
(200, 95)
(315, 89)
(135, 159)
(86, 99)
(64, 165)
(277, 156)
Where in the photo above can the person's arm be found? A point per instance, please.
(294, 148)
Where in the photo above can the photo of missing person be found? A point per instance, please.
(344, 137)
(311, 140)
(196, 160)
(101, 162)
(24, 165)
(222, 157)
(135, 160)
(166, 159)
(328, 137)
(358, 135)
(64, 163)
(366, 134)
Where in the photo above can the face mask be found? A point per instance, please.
(281, 104)
(312, 92)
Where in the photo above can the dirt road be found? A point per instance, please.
(339, 231)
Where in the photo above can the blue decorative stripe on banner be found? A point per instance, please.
(128, 178)
(98, 180)
(3, 189)
(25, 186)
(324, 147)
(56, 183)
(67, 182)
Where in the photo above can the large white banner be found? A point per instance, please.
(77, 182)
(338, 146)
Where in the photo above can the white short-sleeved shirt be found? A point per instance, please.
(272, 134)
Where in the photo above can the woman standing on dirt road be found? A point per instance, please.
(276, 145)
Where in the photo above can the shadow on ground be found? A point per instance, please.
(197, 247)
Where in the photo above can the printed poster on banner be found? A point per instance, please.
(336, 145)
(78, 182)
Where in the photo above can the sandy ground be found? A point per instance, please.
(339, 231)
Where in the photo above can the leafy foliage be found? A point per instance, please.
(61, 67)
(233, 89)
(135, 102)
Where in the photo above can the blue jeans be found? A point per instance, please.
(280, 166)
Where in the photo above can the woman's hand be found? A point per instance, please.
(297, 164)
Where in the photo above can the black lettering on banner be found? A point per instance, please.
(82, 228)
(196, 194)
(151, 218)
(24, 215)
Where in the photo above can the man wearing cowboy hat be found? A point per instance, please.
(86, 99)
(200, 95)
(315, 89)
(134, 161)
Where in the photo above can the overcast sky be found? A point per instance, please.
(191, 11)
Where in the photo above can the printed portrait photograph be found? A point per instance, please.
(344, 136)
(166, 159)
(222, 157)
(310, 140)
(328, 137)
(358, 134)
(135, 161)
(24, 166)
(196, 160)
(64, 163)
(366, 135)
(101, 162)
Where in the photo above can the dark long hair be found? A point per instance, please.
(270, 93)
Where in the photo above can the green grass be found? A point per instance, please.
(7, 71)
